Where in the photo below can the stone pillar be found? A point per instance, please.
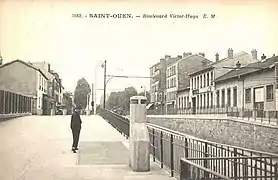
(87, 112)
(139, 137)
(52, 113)
(64, 112)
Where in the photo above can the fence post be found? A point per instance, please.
(276, 171)
(235, 163)
(206, 161)
(153, 139)
(172, 155)
(161, 149)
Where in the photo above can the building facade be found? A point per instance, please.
(251, 87)
(177, 77)
(53, 99)
(27, 81)
(203, 94)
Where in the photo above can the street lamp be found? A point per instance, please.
(144, 90)
(95, 87)
(104, 83)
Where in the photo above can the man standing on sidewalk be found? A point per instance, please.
(75, 125)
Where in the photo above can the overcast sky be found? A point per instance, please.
(45, 31)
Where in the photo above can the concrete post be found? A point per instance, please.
(139, 137)
(65, 111)
(52, 113)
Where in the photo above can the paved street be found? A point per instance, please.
(39, 147)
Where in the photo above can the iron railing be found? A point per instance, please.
(11, 103)
(117, 121)
(190, 170)
(258, 115)
(168, 146)
(182, 154)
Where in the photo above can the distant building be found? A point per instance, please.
(53, 99)
(177, 78)
(158, 84)
(23, 78)
(203, 93)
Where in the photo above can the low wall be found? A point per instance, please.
(4, 117)
(220, 128)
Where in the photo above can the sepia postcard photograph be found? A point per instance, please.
(130, 89)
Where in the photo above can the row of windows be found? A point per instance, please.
(204, 100)
(42, 83)
(202, 80)
(171, 71)
(170, 96)
(229, 93)
(269, 93)
(183, 102)
(154, 88)
(171, 82)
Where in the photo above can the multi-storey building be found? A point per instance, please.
(53, 100)
(251, 87)
(177, 78)
(203, 94)
(158, 84)
(22, 78)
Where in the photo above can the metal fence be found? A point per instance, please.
(168, 147)
(14, 103)
(117, 121)
(187, 157)
(259, 115)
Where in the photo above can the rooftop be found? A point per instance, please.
(26, 64)
(212, 64)
(250, 68)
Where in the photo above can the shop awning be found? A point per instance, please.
(149, 105)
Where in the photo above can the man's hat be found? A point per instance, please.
(78, 107)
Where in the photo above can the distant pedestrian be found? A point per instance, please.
(75, 125)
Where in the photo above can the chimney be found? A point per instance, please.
(167, 57)
(273, 55)
(204, 62)
(179, 57)
(186, 54)
(263, 57)
(1, 59)
(216, 57)
(202, 54)
(230, 53)
(254, 54)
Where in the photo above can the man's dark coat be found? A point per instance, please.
(76, 122)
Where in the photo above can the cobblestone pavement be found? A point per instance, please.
(39, 148)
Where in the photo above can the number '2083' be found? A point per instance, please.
(76, 15)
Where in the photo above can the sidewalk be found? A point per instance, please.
(103, 154)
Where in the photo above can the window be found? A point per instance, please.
(211, 77)
(207, 79)
(204, 80)
(197, 84)
(217, 99)
(197, 101)
(248, 95)
(235, 96)
(269, 92)
(223, 98)
(211, 99)
(201, 81)
(201, 100)
(229, 97)
(208, 100)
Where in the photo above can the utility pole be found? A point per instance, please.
(104, 88)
